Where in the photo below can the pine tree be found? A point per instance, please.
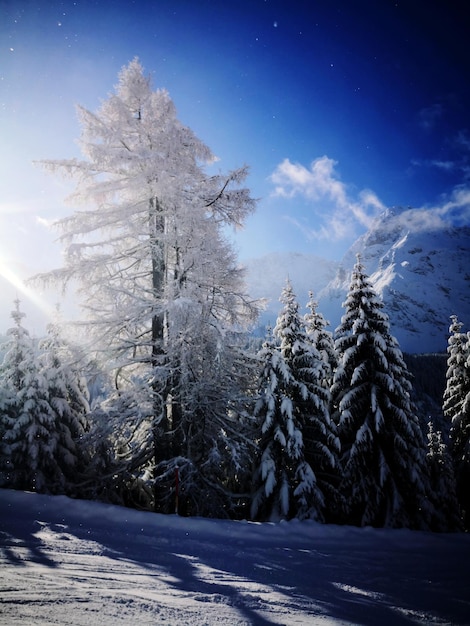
(298, 444)
(446, 516)
(456, 407)
(321, 338)
(275, 477)
(457, 376)
(161, 286)
(31, 439)
(324, 353)
(67, 395)
(385, 480)
(8, 413)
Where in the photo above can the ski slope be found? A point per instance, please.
(69, 562)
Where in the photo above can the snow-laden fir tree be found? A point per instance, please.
(446, 514)
(8, 413)
(298, 447)
(458, 374)
(161, 286)
(324, 351)
(384, 478)
(456, 408)
(67, 395)
(321, 338)
(32, 446)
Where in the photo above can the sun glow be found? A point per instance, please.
(18, 284)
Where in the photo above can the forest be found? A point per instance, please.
(171, 404)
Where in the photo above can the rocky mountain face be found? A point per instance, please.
(421, 270)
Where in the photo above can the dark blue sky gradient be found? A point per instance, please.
(379, 87)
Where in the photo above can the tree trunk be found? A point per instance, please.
(160, 426)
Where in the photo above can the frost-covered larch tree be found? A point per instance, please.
(384, 478)
(160, 284)
(298, 447)
(31, 439)
(456, 408)
(446, 514)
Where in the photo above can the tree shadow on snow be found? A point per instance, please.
(19, 543)
(340, 580)
(357, 577)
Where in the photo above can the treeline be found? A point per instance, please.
(325, 428)
(167, 405)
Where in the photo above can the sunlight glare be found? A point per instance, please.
(17, 283)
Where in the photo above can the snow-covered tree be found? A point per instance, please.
(456, 408)
(385, 480)
(298, 446)
(458, 373)
(446, 515)
(160, 284)
(67, 395)
(8, 413)
(31, 440)
(321, 338)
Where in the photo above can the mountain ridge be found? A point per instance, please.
(420, 268)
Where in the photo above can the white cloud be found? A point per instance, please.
(320, 184)
(293, 179)
(456, 207)
(447, 166)
(453, 209)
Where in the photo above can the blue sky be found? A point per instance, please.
(339, 108)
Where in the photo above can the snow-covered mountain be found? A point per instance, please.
(421, 270)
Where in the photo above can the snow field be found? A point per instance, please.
(68, 562)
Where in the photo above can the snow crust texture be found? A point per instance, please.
(80, 563)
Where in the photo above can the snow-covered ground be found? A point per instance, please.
(83, 563)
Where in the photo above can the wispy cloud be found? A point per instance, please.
(453, 209)
(448, 166)
(456, 207)
(459, 166)
(321, 185)
(455, 147)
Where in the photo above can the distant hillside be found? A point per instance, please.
(422, 273)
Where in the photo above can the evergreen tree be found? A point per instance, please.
(443, 488)
(162, 288)
(385, 480)
(297, 445)
(31, 441)
(8, 413)
(458, 375)
(321, 338)
(324, 353)
(67, 395)
(456, 407)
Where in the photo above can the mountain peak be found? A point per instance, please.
(419, 266)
